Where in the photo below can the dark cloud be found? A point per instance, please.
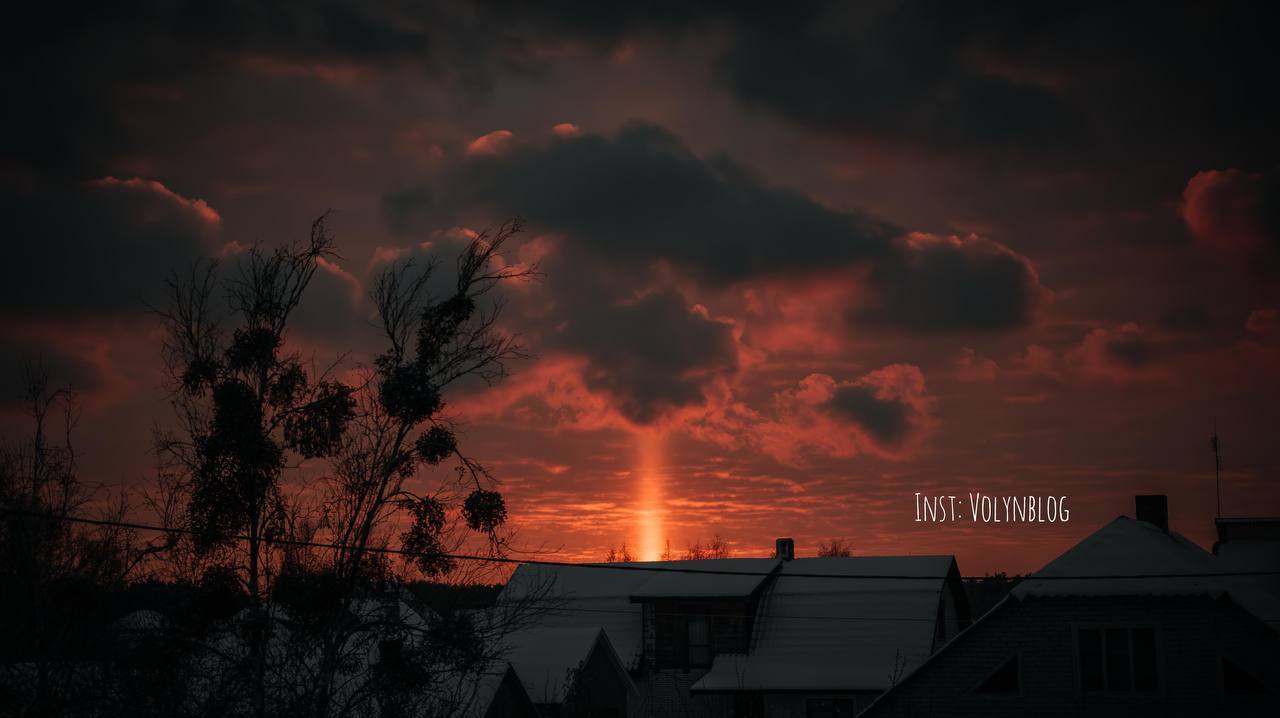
(1125, 354)
(1076, 81)
(953, 284)
(1131, 350)
(887, 412)
(407, 210)
(643, 197)
(80, 79)
(99, 247)
(650, 355)
(101, 83)
(886, 420)
(1064, 78)
(904, 73)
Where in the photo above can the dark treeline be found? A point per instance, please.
(219, 614)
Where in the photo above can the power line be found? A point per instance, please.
(771, 616)
(301, 543)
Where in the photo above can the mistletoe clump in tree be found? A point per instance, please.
(440, 330)
(249, 411)
(245, 404)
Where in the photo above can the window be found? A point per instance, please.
(699, 642)
(728, 633)
(691, 635)
(1117, 659)
(828, 708)
(672, 646)
(1005, 679)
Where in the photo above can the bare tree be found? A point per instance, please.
(835, 548)
(619, 555)
(46, 561)
(246, 409)
(667, 555)
(715, 548)
(401, 429)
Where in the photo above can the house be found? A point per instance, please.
(1250, 545)
(500, 694)
(827, 643)
(1132, 620)
(756, 637)
(569, 671)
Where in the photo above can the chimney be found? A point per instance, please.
(785, 549)
(1154, 509)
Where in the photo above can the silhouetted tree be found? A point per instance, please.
(619, 555)
(715, 548)
(667, 554)
(53, 573)
(434, 340)
(245, 405)
(326, 632)
(835, 548)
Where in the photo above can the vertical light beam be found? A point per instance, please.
(651, 512)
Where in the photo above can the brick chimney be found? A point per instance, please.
(785, 549)
(1152, 508)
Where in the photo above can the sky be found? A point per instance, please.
(800, 261)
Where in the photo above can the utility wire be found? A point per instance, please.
(771, 616)
(613, 566)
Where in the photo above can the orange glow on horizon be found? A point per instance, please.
(651, 511)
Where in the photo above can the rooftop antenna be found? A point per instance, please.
(1217, 465)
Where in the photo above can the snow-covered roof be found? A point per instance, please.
(473, 693)
(735, 577)
(598, 596)
(1171, 564)
(1253, 555)
(1127, 547)
(818, 631)
(544, 657)
(580, 597)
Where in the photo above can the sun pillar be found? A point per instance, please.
(650, 530)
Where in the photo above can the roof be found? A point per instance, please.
(1173, 566)
(475, 692)
(600, 596)
(1127, 547)
(823, 632)
(674, 583)
(544, 657)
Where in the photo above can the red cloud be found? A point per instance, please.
(970, 367)
(1264, 324)
(205, 215)
(493, 143)
(551, 394)
(1234, 214)
(76, 355)
(1126, 354)
(886, 413)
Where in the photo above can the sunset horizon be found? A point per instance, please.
(411, 303)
